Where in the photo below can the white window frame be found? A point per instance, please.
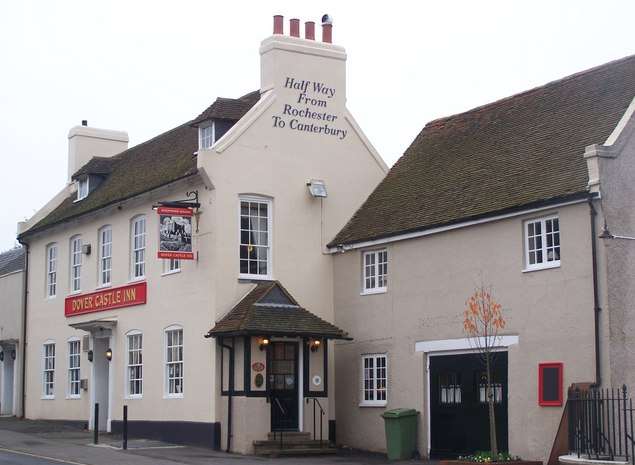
(375, 268)
(75, 261)
(105, 256)
(206, 136)
(128, 379)
(269, 248)
(168, 362)
(48, 368)
(83, 189)
(171, 266)
(74, 369)
(52, 253)
(138, 249)
(373, 402)
(545, 264)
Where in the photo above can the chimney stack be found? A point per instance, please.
(309, 30)
(294, 27)
(327, 29)
(278, 24)
(85, 143)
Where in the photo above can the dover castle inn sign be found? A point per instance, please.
(310, 110)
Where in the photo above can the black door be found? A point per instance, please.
(283, 385)
(458, 404)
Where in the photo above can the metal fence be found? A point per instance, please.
(601, 424)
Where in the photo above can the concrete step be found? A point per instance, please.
(290, 436)
(296, 452)
(295, 444)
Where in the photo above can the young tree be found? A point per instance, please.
(483, 319)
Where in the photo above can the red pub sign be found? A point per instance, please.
(118, 297)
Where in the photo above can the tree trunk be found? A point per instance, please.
(490, 401)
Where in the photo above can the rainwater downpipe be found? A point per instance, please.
(596, 297)
(231, 391)
(25, 294)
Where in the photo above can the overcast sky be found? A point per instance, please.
(147, 66)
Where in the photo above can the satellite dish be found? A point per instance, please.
(327, 19)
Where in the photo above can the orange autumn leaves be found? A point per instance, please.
(483, 315)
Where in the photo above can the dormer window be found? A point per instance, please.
(82, 188)
(206, 136)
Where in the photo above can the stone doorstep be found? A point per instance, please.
(298, 452)
(289, 436)
(574, 459)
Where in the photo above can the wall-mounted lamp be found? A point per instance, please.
(606, 234)
(317, 188)
(13, 355)
(109, 354)
(1, 356)
(264, 342)
(86, 249)
(314, 345)
(89, 354)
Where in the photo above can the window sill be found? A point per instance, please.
(50, 297)
(47, 397)
(136, 280)
(73, 397)
(173, 396)
(373, 404)
(168, 273)
(75, 292)
(134, 397)
(546, 266)
(103, 286)
(254, 277)
(381, 290)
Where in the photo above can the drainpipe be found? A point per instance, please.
(231, 391)
(25, 294)
(596, 298)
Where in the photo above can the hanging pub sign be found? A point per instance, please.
(175, 233)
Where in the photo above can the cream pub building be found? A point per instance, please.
(236, 343)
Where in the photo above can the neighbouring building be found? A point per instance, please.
(12, 289)
(231, 340)
(513, 194)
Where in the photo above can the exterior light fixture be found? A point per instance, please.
(13, 355)
(1, 356)
(314, 345)
(264, 342)
(90, 355)
(606, 234)
(109, 354)
(317, 188)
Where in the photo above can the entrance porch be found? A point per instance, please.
(273, 371)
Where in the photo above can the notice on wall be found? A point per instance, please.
(310, 110)
(175, 233)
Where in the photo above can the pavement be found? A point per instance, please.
(38, 442)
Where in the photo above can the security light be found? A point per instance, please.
(317, 188)
(264, 342)
(109, 354)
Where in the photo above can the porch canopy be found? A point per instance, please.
(269, 310)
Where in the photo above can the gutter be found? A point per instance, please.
(596, 295)
(25, 295)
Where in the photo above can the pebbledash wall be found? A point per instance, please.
(270, 153)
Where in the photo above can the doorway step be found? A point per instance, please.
(293, 443)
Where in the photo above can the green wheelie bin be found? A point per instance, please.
(401, 433)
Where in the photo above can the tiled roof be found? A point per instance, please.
(228, 108)
(510, 154)
(12, 260)
(270, 310)
(101, 166)
(159, 161)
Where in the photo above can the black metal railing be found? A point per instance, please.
(316, 405)
(283, 413)
(601, 424)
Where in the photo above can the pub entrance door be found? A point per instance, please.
(283, 385)
(459, 420)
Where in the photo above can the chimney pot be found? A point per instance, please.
(84, 122)
(309, 30)
(327, 33)
(294, 27)
(278, 24)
